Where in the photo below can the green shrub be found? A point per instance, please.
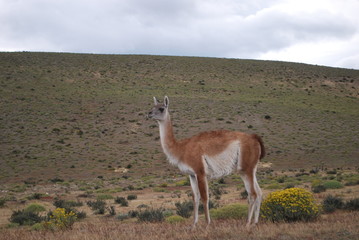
(151, 215)
(175, 219)
(104, 197)
(23, 217)
(13, 225)
(290, 205)
(333, 171)
(122, 217)
(289, 185)
(352, 205)
(80, 215)
(281, 179)
(332, 184)
(319, 188)
(35, 208)
(97, 206)
(217, 190)
(35, 196)
(244, 194)
(68, 205)
(185, 182)
(131, 197)
(111, 210)
(273, 186)
(133, 213)
(38, 227)
(331, 203)
(184, 209)
(233, 211)
(2, 202)
(122, 201)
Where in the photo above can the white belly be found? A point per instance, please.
(223, 163)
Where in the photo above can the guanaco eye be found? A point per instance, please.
(161, 110)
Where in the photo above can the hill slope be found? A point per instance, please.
(77, 116)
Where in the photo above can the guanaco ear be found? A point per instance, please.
(166, 101)
(155, 101)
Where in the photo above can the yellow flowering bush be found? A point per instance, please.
(60, 219)
(290, 205)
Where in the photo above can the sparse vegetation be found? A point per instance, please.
(92, 129)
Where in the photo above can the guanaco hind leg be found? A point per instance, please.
(203, 189)
(254, 197)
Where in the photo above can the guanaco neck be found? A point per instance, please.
(168, 140)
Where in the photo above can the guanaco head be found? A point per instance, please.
(160, 111)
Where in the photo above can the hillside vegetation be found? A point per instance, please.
(83, 116)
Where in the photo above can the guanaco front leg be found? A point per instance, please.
(196, 197)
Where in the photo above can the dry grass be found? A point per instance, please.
(341, 225)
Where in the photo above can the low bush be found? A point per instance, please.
(122, 217)
(184, 209)
(290, 205)
(97, 206)
(233, 211)
(122, 201)
(151, 215)
(289, 185)
(68, 205)
(185, 182)
(244, 194)
(35, 208)
(331, 203)
(319, 188)
(332, 184)
(111, 210)
(217, 190)
(2, 202)
(35, 196)
(104, 197)
(175, 219)
(273, 186)
(352, 205)
(81, 215)
(38, 227)
(23, 217)
(131, 197)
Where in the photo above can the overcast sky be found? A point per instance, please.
(323, 32)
